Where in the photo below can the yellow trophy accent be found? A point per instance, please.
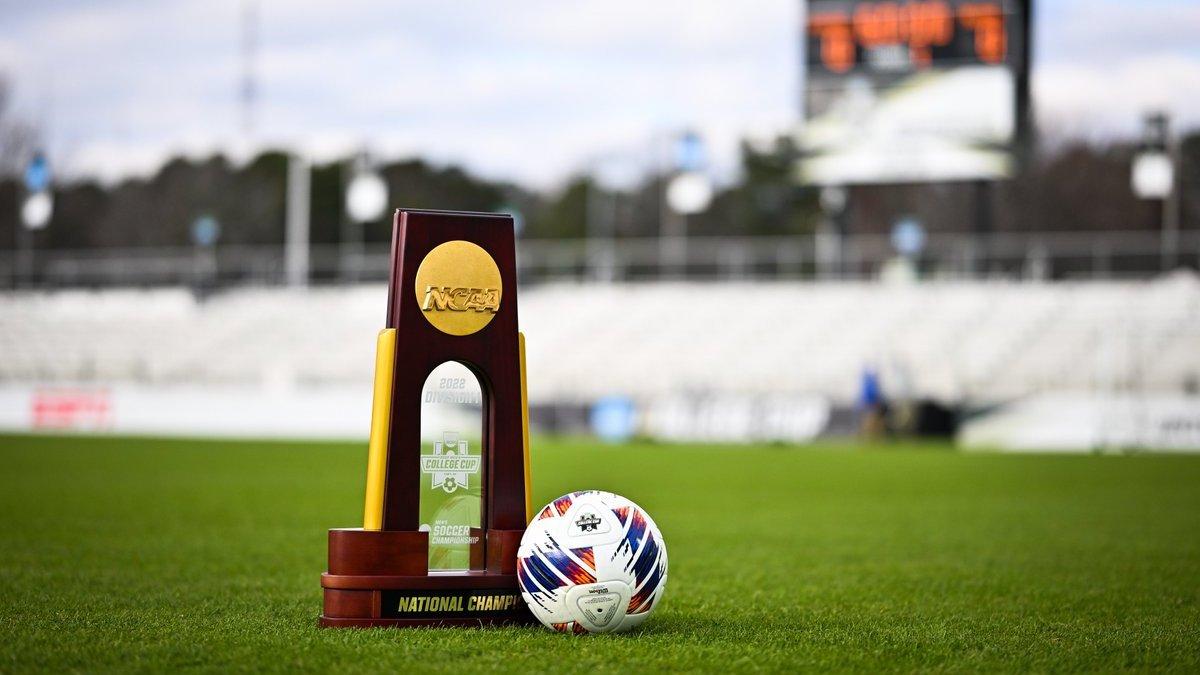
(525, 431)
(381, 425)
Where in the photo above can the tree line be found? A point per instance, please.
(1063, 186)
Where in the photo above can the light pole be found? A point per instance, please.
(296, 235)
(610, 176)
(689, 191)
(830, 231)
(1153, 177)
(205, 231)
(36, 211)
(366, 200)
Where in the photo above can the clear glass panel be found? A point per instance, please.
(452, 466)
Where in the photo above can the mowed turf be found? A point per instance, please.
(152, 555)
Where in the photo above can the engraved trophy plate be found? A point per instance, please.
(451, 465)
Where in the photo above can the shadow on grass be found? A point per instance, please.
(671, 626)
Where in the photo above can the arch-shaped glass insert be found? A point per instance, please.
(452, 467)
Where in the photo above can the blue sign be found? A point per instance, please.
(908, 237)
(205, 231)
(37, 174)
(614, 418)
(689, 152)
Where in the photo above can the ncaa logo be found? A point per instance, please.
(458, 288)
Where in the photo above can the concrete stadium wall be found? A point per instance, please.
(208, 411)
(1083, 422)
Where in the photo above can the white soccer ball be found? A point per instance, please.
(592, 562)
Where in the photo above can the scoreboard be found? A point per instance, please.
(917, 90)
(894, 36)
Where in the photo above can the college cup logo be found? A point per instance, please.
(450, 465)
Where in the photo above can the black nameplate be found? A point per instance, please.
(410, 604)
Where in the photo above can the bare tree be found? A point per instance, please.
(17, 137)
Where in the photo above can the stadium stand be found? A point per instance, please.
(981, 341)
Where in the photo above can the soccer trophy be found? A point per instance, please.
(447, 495)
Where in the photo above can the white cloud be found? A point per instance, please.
(1107, 100)
(1111, 31)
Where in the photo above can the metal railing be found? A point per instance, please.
(1036, 255)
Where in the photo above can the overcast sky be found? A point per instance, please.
(528, 90)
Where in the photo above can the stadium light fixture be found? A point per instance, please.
(1153, 175)
(689, 192)
(39, 204)
(1153, 172)
(366, 196)
(37, 209)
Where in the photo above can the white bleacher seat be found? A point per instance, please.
(978, 340)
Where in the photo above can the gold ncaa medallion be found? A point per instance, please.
(458, 287)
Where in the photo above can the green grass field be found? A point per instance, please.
(154, 555)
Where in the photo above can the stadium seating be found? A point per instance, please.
(979, 341)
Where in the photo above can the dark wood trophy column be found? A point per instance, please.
(452, 296)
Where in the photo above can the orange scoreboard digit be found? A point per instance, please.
(913, 90)
(844, 35)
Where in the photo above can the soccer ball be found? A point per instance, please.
(592, 562)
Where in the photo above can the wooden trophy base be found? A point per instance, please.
(381, 578)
